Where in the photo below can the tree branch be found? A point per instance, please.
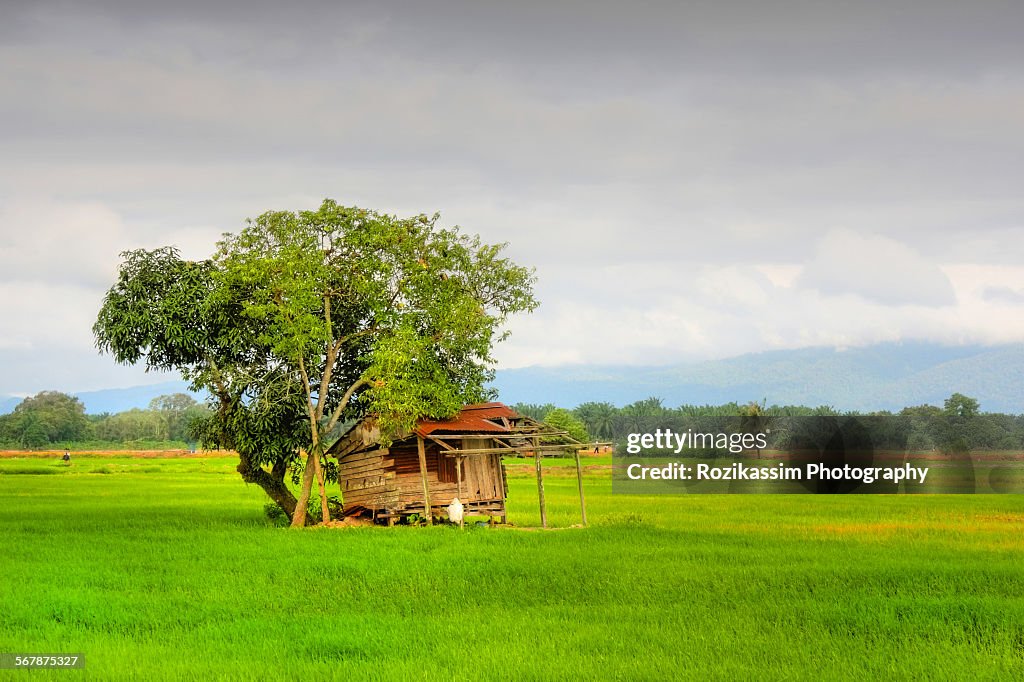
(375, 327)
(325, 380)
(344, 401)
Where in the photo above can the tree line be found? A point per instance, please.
(958, 425)
(53, 419)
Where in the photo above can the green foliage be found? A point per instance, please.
(534, 411)
(176, 412)
(643, 415)
(164, 423)
(961, 406)
(920, 441)
(959, 428)
(564, 420)
(169, 314)
(598, 418)
(130, 425)
(400, 308)
(956, 428)
(160, 312)
(125, 445)
(275, 515)
(48, 417)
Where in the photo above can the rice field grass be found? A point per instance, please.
(167, 569)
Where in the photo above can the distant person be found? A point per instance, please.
(66, 457)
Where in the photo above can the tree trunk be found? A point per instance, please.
(325, 512)
(299, 517)
(272, 482)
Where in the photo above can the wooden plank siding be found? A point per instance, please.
(387, 482)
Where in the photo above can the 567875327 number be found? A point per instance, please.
(23, 660)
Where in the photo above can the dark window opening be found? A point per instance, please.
(447, 472)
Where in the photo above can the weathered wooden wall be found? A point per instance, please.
(389, 479)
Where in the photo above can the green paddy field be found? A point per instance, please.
(167, 569)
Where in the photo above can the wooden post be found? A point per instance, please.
(423, 476)
(458, 476)
(504, 494)
(540, 483)
(579, 482)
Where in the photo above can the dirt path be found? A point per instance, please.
(137, 454)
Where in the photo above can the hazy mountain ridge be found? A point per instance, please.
(884, 376)
(117, 399)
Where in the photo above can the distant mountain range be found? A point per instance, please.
(884, 376)
(117, 399)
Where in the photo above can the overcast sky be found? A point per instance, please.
(690, 179)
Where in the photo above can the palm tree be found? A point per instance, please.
(598, 417)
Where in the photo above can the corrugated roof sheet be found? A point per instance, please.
(482, 417)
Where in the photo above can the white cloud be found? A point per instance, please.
(1004, 295)
(47, 316)
(660, 314)
(877, 268)
(60, 243)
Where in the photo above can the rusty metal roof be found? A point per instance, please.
(482, 417)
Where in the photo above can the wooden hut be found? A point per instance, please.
(428, 468)
(424, 471)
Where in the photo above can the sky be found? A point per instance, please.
(691, 180)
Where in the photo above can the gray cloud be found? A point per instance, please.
(952, 37)
(653, 160)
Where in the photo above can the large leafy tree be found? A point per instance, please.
(174, 412)
(306, 319)
(48, 417)
(564, 420)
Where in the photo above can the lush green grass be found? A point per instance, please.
(167, 569)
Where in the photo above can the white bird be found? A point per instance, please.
(455, 510)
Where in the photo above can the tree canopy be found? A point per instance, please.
(566, 421)
(175, 411)
(304, 320)
(48, 417)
